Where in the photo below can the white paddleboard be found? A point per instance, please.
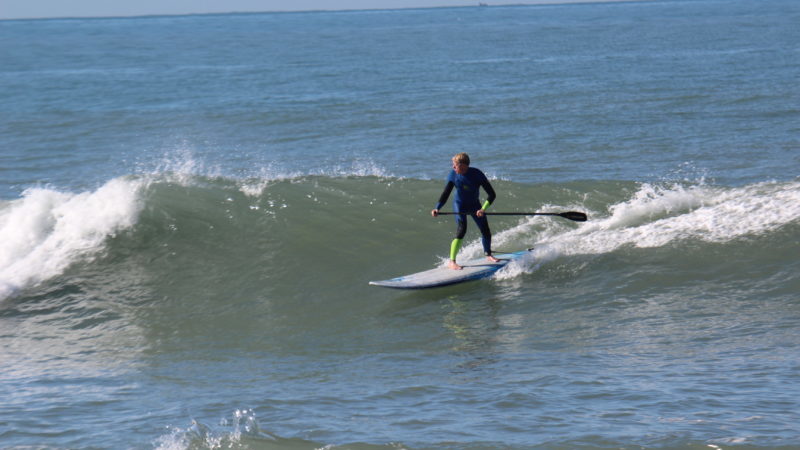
(443, 276)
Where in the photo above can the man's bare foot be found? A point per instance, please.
(452, 264)
(492, 258)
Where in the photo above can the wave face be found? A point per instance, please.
(283, 228)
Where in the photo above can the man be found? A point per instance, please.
(467, 181)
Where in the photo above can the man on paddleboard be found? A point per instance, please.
(467, 181)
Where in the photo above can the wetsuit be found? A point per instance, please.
(466, 201)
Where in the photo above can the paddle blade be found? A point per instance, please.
(574, 215)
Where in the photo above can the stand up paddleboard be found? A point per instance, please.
(443, 276)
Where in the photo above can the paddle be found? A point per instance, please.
(571, 215)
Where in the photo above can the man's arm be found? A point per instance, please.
(448, 188)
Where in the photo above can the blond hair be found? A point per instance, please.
(461, 158)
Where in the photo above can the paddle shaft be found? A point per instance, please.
(571, 215)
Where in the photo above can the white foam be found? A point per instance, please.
(702, 213)
(657, 216)
(45, 230)
(229, 435)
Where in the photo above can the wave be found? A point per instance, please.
(232, 225)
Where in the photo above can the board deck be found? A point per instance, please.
(443, 276)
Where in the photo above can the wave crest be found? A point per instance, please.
(658, 216)
(46, 230)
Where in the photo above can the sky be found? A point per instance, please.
(26, 9)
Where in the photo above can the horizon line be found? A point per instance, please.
(480, 5)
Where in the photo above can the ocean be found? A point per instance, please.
(191, 208)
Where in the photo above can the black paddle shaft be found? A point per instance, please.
(571, 215)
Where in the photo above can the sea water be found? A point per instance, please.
(191, 208)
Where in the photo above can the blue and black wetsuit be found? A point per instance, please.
(466, 201)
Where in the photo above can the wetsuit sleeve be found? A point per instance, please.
(489, 191)
(448, 188)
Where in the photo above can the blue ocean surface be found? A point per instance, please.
(191, 208)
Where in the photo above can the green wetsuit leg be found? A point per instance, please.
(455, 246)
